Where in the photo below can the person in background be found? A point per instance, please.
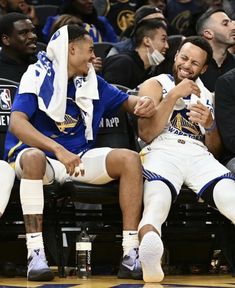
(174, 42)
(22, 6)
(132, 68)
(219, 30)
(18, 41)
(143, 13)
(98, 27)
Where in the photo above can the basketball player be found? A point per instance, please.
(181, 137)
(54, 122)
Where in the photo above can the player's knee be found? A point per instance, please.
(33, 161)
(129, 158)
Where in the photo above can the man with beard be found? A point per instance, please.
(181, 137)
(54, 121)
(18, 42)
(219, 30)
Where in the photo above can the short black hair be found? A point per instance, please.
(146, 28)
(76, 32)
(7, 23)
(200, 42)
(204, 18)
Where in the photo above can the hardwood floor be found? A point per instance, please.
(214, 281)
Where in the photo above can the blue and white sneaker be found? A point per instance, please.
(130, 267)
(38, 269)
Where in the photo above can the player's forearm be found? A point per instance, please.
(213, 142)
(152, 127)
(26, 133)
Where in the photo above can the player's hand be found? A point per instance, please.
(145, 107)
(71, 161)
(97, 63)
(199, 113)
(185, 88)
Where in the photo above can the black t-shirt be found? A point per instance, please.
(213, 71)
(126, 69)
(10, 69)
(225, 113)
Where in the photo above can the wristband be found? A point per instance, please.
(212, 127)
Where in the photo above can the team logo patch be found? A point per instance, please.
(125, 19)
(5, 99)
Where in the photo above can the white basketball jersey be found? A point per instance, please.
(178, 123)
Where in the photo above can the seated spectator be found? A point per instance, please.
(182, 137)
(160, 4)
(132, 68)
(21, 6)
(65, 19)
(98, 26)
(143, 13)
(181, 13)
(18, 42)
(165, 67)
(225, 107)
(54, 141)
(219, 30)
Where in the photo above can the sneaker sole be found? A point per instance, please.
(42, 276)
(129, 275)
(150, 254)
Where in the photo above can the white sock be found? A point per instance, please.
(32, 202)
(150, 254)
(34, 241)
(130, 240)
(7, 178)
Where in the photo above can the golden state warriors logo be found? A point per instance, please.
(185, 125)
(124, 19)
(5, 99)
(69, 122)
(181, 21)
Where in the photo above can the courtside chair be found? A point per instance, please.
(44, 11)
(101, 49)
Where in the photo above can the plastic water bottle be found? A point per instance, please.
(83, 255)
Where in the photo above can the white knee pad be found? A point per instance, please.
(7, 178)
(31, 196)
(157, 203)
(224, 197)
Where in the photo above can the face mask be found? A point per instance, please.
(155, 58)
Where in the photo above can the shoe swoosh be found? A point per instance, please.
(132, 267)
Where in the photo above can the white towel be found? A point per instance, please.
(48, 79)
